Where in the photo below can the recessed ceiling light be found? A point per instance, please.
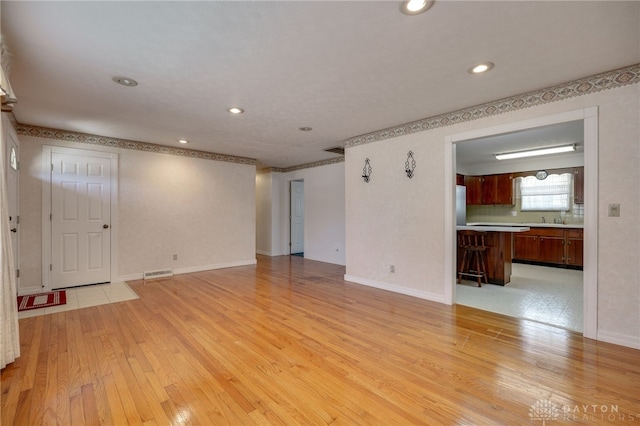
(534, 152)
(305, 129)
(183, 141)
(415, 7)
(480, 68)
(235, 110)
(125, 81)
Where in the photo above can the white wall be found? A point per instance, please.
(324, 207)
(264, 218)
(202, 210)
(395, 220)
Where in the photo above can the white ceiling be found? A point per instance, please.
(480, 153)
(342, 68)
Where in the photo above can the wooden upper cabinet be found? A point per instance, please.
(489, 190)
(578, 185)
(474, 190)
(497, 189)
(459, 179)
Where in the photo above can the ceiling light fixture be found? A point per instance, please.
(235, 110)
(481, 68)
(125, 81)
(183, 141)
(534, 152)
(305, 129)
(415, 7)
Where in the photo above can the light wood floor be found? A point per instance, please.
(289, 342)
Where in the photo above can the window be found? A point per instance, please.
(550, 194)
(13, 158)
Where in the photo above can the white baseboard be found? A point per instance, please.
(396, 288)
(130, 277)
(270, 253)
(619, 339)
(190, 269)
(214, 266)
(334, 261)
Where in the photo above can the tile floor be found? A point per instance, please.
(84, 297)
(540, 293)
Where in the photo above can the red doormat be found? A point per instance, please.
(42, 300)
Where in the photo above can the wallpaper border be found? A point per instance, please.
(64, 135)
(584, 86)
(596, 83)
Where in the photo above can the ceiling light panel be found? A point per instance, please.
(536, 152)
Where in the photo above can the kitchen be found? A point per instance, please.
(531, 210)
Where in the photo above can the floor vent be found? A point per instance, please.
(158, 274)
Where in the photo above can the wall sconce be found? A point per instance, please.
(410, 165)
(366, 171)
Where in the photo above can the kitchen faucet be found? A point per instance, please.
(544, 220)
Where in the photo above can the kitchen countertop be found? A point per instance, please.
(530, 225)
(492, 228)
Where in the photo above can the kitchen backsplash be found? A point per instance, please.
(513, 214)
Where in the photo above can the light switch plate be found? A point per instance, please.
(614, 210)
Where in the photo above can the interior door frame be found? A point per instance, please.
(589, 116)
(10, 138)
(291, 215)
(47, 151)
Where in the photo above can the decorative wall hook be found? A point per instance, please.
(366, 171)
(410, 165)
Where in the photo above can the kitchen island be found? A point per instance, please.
(498, 255)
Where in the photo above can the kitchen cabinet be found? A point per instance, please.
(555, 246)
(497, 257)
(526, 246)
(574, 247)
(459, 179)
(474, 190)
(497, 189)
(489, 189)
(578, 185)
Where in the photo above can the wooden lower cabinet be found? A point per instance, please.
(549, 245)
(574, 247)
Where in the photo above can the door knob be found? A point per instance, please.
(14, 229)
(105, 226)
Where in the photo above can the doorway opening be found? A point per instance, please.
(526, 274)
(296, 218)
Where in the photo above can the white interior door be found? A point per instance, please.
(80, 220)
(13, 163)
(297, 217)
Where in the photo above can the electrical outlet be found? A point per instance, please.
(175, 257)
(392, 269)
(337, 248)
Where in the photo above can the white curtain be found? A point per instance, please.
(550, 194)
(9, 335)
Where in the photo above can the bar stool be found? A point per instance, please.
(473, 246)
